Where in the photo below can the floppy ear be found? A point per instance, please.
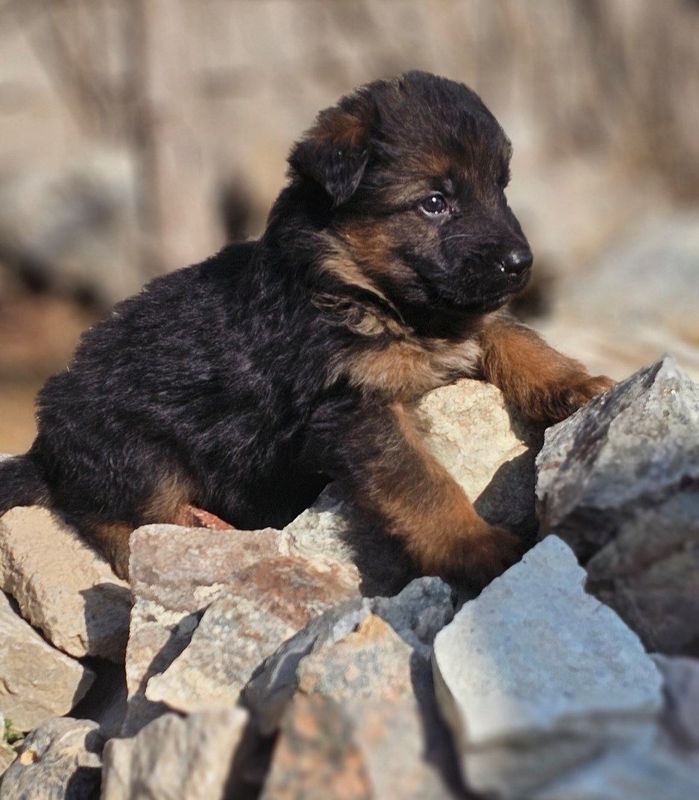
(335, 151)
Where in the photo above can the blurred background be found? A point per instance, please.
(138, 136)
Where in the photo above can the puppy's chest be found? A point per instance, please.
(406, 369)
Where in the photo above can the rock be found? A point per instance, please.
(265, 604)
(416, 614)
(176, 758)
(652, 272)
(619, 481)
(177, 573)
(62, 586)
(535, 676)
(642, 771)
(681, 717)
(487, 448)
(36, 681)
(363, 724)
(60, 760)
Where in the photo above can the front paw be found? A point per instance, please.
(485, 554)
(558, 402)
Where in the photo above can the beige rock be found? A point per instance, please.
(363, 724)
(60, 760)
(177, 573)
(265, 604)
(36, 680)
(62, 586)
(176, 758)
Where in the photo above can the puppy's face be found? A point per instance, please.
(415, 172)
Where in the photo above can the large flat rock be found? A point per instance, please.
(535, 676)
(177, 758)
(36, 680)
(62, 586)
(177, 573)
(619, 481)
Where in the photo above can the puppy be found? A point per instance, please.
(244, 384)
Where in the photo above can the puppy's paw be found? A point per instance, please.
(485, 554)
(556, 403)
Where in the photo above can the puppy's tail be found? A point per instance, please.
(22, 483)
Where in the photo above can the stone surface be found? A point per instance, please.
(416, 615)
(535, 676)
(488, 449)
(60, 760)
(177, 573)
(177, 758)
(652, 273)
(62, 586)
(619, 481)
(265, 604)
(363, 724)
(681, 716)
(36, 680)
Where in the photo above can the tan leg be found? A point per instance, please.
(419, 502)
(544, 384)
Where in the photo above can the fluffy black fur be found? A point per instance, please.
(237, 379)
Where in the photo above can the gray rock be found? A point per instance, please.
(177, 573)
(265, 604)
(619, 481)
(176, 758)
(416, 615)
(62, 586)
(60, 760)
(535, 676)
(642, 771)
(363, 724)
(488, 449)
(681, 716)
(36, 680)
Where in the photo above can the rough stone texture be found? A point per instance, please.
(62, 586)
(176, 758)
(619, 481)
(266, 604)
(535, 676)
(416, 615)
(642, 771)
(60, 760)
(681, 715)
(36, 680)
(487, 448)
(177, 573)
(363, 724)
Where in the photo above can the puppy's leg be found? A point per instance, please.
(393, 475)
(544, 384)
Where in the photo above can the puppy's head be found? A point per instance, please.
(412, 173)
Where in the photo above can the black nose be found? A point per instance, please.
(517, 261)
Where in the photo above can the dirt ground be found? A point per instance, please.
(38, 334)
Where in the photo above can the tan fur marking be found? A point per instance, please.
(406, 368)
(422, 504)
(172, 494)
(544, 384)
(112, 539)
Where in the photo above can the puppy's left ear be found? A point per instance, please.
(335, 152)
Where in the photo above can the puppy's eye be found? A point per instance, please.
(434, 205)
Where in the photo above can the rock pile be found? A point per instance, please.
(312, 662)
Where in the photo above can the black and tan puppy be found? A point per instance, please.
(245, 383)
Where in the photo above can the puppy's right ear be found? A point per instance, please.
(335, 152)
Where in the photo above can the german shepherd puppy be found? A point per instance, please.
(243, 384)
